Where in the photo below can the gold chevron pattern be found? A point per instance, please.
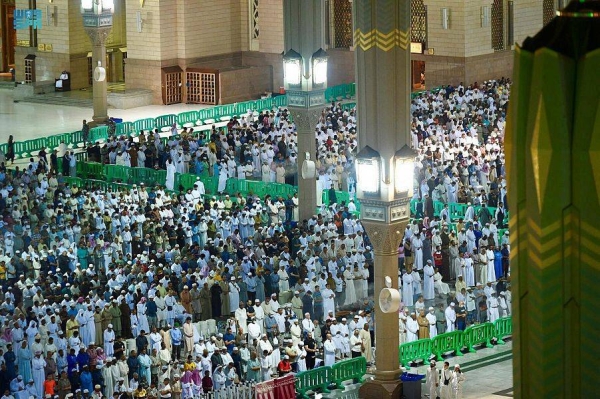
(383, 41)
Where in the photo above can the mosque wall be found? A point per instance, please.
(271, 26)
(528, 19)
(217, 34)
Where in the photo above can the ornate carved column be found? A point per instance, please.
(306, 120)
(304, 34)
(98, 36)
(382, 54)
(385, 239)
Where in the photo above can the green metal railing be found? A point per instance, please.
(416, 350)
(351, 369)
(202, 117)
(503, 328)
(479, 334)
(455, 341)
(321, 378)
(314, 379)
(447, 342)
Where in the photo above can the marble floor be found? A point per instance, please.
(24, 120)
(488, 374)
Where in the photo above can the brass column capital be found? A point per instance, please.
(98, 35)
(385, 237)
(306, 119)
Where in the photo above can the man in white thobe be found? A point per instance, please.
(329, 349)
(417, 246)
(328, 300)
(494, 313)
(109, 340)
(37, 370)
(407, 287)
(428, 281)
(432, 322)
(450, 318)
(432, 380)
(412, 328)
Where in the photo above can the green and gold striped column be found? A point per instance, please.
(383, 87)
(383, 82)
(553, 171)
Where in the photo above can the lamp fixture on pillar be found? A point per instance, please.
(368, 172)
(292, 69)
(384, 185)
(305, 82)
(404, 161)
(97, 22)
(319, 68)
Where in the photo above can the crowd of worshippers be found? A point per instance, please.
(459, 138)
(83, 271)
(77, 287)
(259, 146)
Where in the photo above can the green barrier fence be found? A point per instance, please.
(503, 328)
(117, 173)
(447, 342)
(99, 133)
(454, 341)
(74, 181)
(19, 149)
(76, 140)
(165, 121)
(412, 351)
(54, 141)
(478, 334)
(457, 210)
(187, 119)
(188, 180)
(90, 170)
(310, 380)
(340, 92)
(351, 369)
(124, 129)
(144, 124)
(203, 116)
(81, 156)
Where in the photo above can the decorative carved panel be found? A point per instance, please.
(254, 25)
(418, 22)
(498, 25)
(548, 10)
(342, 22)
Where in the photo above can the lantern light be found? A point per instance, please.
(368, 171)
(404, 160)
(319, 66)
(292, 68)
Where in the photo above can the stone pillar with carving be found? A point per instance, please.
(385, 239)
(306, 120)
(98, 36)
(383, 87)
(304, 35)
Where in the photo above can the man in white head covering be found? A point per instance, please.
(412, 328)
(109, 340)
(432, 380)
(450, 314)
